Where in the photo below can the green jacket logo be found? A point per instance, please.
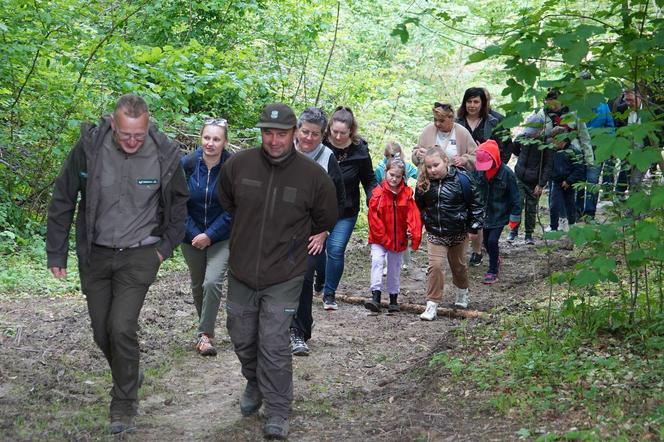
(147, 181)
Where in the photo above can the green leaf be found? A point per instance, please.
(402, 32)
(604, 264)
(575, 53)
(647, 231)
(643, 158)
(636, 258)
(585, 277)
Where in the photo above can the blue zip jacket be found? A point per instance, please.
(204, 213)
(501, 198)
(603, 119)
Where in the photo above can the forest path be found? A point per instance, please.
(366, 377)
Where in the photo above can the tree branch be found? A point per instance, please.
(329, 58)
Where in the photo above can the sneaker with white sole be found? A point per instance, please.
(298, 346)
(329, 302)
(475, 259)
(431, 312)
(461, 298)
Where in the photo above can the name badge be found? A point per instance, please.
(147, 181)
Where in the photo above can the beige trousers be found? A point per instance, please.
(456, 257)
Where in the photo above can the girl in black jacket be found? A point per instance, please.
(450, 208)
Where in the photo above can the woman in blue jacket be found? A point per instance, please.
(208, 228)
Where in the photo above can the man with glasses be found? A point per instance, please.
(130, 217)
(279, 200)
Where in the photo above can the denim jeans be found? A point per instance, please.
(336, 247)
(561, 200)
(491, 237)
(586, 199)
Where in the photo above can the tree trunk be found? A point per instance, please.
(419, 308)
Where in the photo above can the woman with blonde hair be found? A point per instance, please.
(453, 138)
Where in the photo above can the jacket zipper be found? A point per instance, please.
(205, 206)
(440, 188)
(394, 205)
(262, 229)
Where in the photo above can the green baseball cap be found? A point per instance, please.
(277, 116)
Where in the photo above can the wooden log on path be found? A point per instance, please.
(418, 308)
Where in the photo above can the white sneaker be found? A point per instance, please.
(462, 298)
(563, 225)
(430, 313)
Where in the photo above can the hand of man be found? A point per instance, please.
(538, 190)
(564, 185)
(201, 241)
(457, 161)
(316, 243)
(59, 272)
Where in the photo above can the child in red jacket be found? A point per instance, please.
(393, 217)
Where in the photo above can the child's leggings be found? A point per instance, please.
(491, 237)
(378, 253)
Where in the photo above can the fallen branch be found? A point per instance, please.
(418, 308)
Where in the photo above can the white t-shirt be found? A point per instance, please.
(448, 142)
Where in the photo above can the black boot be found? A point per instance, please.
(393, 307)
(374, 304)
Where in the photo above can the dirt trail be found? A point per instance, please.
(365, 379)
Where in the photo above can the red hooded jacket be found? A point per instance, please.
(391, 216)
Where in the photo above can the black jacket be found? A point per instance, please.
(444, 208)
(533, 166)
(568, 166)
(488, 130)
(356, 167)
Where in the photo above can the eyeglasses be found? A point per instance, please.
(215, 122)
(347, 109)
(126, 137)
(309, 133)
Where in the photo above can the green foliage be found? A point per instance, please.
(607, 387)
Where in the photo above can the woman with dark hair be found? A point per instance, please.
(475, 115)
(352, 153)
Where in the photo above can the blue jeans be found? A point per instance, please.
(336, 247)
(586, 199)
(562, 200)
(490, 238)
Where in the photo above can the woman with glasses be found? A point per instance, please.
(352, 153)
(455, 139)
(208, 227)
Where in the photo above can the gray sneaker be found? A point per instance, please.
(251, 399)
(329, 303)
(298, 346)
(276, 428)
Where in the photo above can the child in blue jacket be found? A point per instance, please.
(500, 192)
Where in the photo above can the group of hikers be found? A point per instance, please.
(280, 217)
